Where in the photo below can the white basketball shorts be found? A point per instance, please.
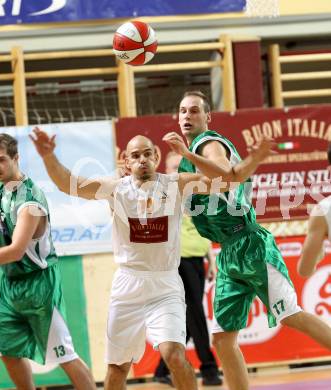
(144, 305)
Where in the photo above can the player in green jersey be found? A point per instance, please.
(32, 313)
(249, 263)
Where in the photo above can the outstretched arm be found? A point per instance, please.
(100, 188)
(312, 252)
(214, 162)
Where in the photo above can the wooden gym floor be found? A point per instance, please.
(295, 379)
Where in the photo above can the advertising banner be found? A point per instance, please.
(289, 182)
(45, 11)
(258, 342)
(88, 149)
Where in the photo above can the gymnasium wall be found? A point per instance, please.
(98, 275)
(297, 19)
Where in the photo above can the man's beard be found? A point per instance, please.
(145, 176)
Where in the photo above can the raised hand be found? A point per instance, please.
(263, 148)
(44, 144)
(176, 143)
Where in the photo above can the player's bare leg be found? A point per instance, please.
(181, 370)
(79, 374)
(20, 372)
(232, 360)
(311, 325)
(116, 376)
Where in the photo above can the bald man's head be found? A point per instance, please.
(141, 157)
(137, 142)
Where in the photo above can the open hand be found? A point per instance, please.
(44, 144)
(264, 148)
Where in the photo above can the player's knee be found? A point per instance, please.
(118, 371)
(176, 360)
(13, 361)
(225, 341)
(297, 320)
(174, 357)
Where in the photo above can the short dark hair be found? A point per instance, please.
(206, 104)
(329, 153)
(9, 144)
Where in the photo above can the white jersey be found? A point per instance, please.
(324, 208)
(146, 224)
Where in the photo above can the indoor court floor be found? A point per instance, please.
(296, 379)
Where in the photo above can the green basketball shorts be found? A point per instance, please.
(32, 318)
(248, 267)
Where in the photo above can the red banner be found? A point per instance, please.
(260, 343)
(289, 182)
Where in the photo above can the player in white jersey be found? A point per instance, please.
(319, 228)
(147, 295)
